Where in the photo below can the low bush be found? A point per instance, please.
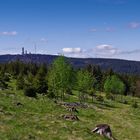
(30, 92)
(124, 102)
(100, 98)
(110, 96)
(134, 104)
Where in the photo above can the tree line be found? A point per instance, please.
(60, 79)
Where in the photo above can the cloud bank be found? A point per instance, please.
(134, 25)
(71, 50)
(43, 40)
(103, 50)
(6, 33)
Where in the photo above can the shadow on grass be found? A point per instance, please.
(105, 105)
(88, 131)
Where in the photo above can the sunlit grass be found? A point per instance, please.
(40, 119)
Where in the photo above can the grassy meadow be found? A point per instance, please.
(40, 119)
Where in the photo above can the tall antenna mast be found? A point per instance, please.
(35, 53)
(35, 47)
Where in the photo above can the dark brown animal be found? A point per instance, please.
(104, 129)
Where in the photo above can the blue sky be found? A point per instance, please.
(76, 28)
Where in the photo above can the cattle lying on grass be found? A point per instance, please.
(104, 130)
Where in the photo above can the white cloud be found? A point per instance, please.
(93, 30)
(101, 51)
(98, 51)
(6, 33)
(134, 25)
(105, 50)
(107, 29)
(75, 52)
(110, 29)
(44, 40)
(130, 52)
(78, 55)
(71, 50)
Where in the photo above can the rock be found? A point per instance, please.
(72, 109)
(70, 117)
(19, 104)
(74, 104)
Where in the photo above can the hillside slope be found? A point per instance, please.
(121, 66)
(40, 119)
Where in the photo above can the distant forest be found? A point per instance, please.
(119, 66)
(62, 76)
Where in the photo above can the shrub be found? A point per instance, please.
(122, 99)
(100, 98)
(110, 96)
(30, 92)
(125, 102)
(69, 91)
(114, 85)
(50, 94)
(20, 83)
(3, 84)
(134, 104)
(6, 78)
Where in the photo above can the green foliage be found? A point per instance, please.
(30, 92)
(84, 84)
(3, 81)
(97, 75)
(114, 85)
(18, 67)
(134, 104)
(20, 82)
(100, 98)
(40, 86)
(84, 81)
(121, 99)
(40, 82)
(68, 91)
(6, 77)
(30, 72)
(39, 118)
(110, 96)
(92, 92)
(3, 84)
(60, 76)
(51, 94)
(29, 79)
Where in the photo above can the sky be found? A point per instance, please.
(74, 28)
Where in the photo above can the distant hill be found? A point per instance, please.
(118, 65)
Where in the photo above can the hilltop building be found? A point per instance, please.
(25, 52)
(22, 51)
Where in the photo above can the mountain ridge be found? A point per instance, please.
(118, 65)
